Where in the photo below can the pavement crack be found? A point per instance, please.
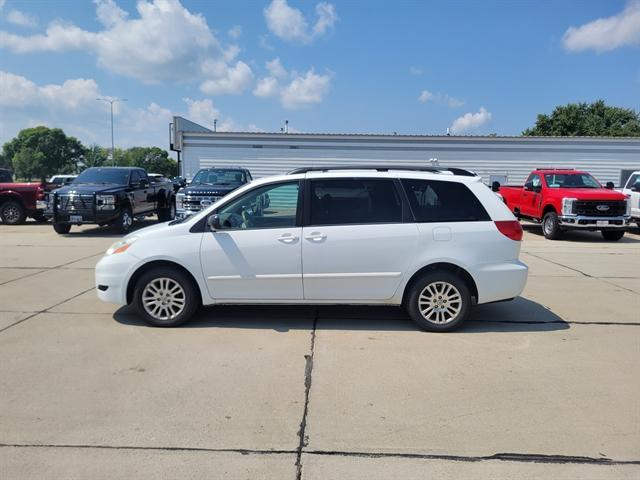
(45, 310)
(505, 457)
(303, 441)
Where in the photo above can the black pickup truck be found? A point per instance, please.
(110, 196)
(208, 186)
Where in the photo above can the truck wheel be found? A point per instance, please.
(62, 228)
(12, 213)
(167, 214)
(439, 301)
(125, 220)
(165, 297)
(551, 226)
(612, 235)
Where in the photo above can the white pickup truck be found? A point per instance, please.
(632, 189)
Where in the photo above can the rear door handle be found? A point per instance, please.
(287, 238)
(316, 236)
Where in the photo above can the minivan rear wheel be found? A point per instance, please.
(439, 301)
(165, 297)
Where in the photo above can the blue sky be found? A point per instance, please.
(330, 66)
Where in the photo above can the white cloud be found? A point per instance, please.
(226, 79)
(416, 70)
(202, 111)
(451, 102)
(21, 19)
(294, 90)
(166, 42)
(425, 96)
(18, 91)
(305, 90)
(606, 34)
(470, 121)
(235, 32)
(289, 23)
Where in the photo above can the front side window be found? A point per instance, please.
(339, 201)
(536, 181)
(437, 201)
(271, 206)
(634, 181)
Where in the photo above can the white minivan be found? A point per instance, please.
(435, 241)
(632, 190)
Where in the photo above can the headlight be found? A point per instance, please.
(121, 245)
(180, 200)
(106, 202)
(567, 206)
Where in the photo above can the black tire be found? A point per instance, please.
(189, 294)
(167, 214)
(453, 302)
(62, 228)
(551, 226)
(125, 220)
(12, 213)
(612, 235)
(40, 218)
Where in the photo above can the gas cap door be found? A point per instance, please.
(442, 234)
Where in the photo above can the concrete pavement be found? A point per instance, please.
(541, 387)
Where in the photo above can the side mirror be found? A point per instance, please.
(537, 189)
(636, 188)
(214, 222)
(495, 186)
(610, 185)
(144, 183)
(528, 186)
(183, 183)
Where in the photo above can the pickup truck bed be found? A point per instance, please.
(21, 200)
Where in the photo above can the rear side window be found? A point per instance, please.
(340, 201)
(436, 201)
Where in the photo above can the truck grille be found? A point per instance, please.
(600, 208)
(75, 204)
(195, 202)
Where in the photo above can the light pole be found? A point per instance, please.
(111, 101)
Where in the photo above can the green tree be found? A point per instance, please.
(152, 159)
(42, 152)
(587, 119)
(96, 156)
(30, 164)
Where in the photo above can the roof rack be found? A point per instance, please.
(378, 168)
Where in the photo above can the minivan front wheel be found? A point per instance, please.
(165, 297)
(439, 301)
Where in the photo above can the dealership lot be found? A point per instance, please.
(544, 386)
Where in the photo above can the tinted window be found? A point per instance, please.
(350, 201)
(135, 177)
(536, 181)
(634, 180)
(103, 175)
(220, 176)
(271, 206)
(436, 201)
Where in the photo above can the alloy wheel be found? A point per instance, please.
(440, 302)
(163, 298)
(11, 214)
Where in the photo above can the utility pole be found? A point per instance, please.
(111, 101)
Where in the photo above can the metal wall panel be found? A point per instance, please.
(270, 154)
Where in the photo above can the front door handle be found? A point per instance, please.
(316, 236)
(287, 238)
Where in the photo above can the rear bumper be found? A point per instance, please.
(500, 281)
(580, 222)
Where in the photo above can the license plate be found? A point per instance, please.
(75, 218)
(602, 223)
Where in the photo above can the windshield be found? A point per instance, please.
(103, 175)
(220, 176)
(571, 180)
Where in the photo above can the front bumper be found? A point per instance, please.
(593, 223)
(111, 277)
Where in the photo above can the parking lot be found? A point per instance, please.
(545, 386)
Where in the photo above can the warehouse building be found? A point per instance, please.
(505, 159)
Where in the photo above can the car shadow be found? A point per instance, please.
(589, 237)
(95, 231)
(519, 315)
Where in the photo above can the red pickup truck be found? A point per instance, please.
(566, 199)
(20, 200)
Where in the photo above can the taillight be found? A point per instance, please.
(510, 228)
